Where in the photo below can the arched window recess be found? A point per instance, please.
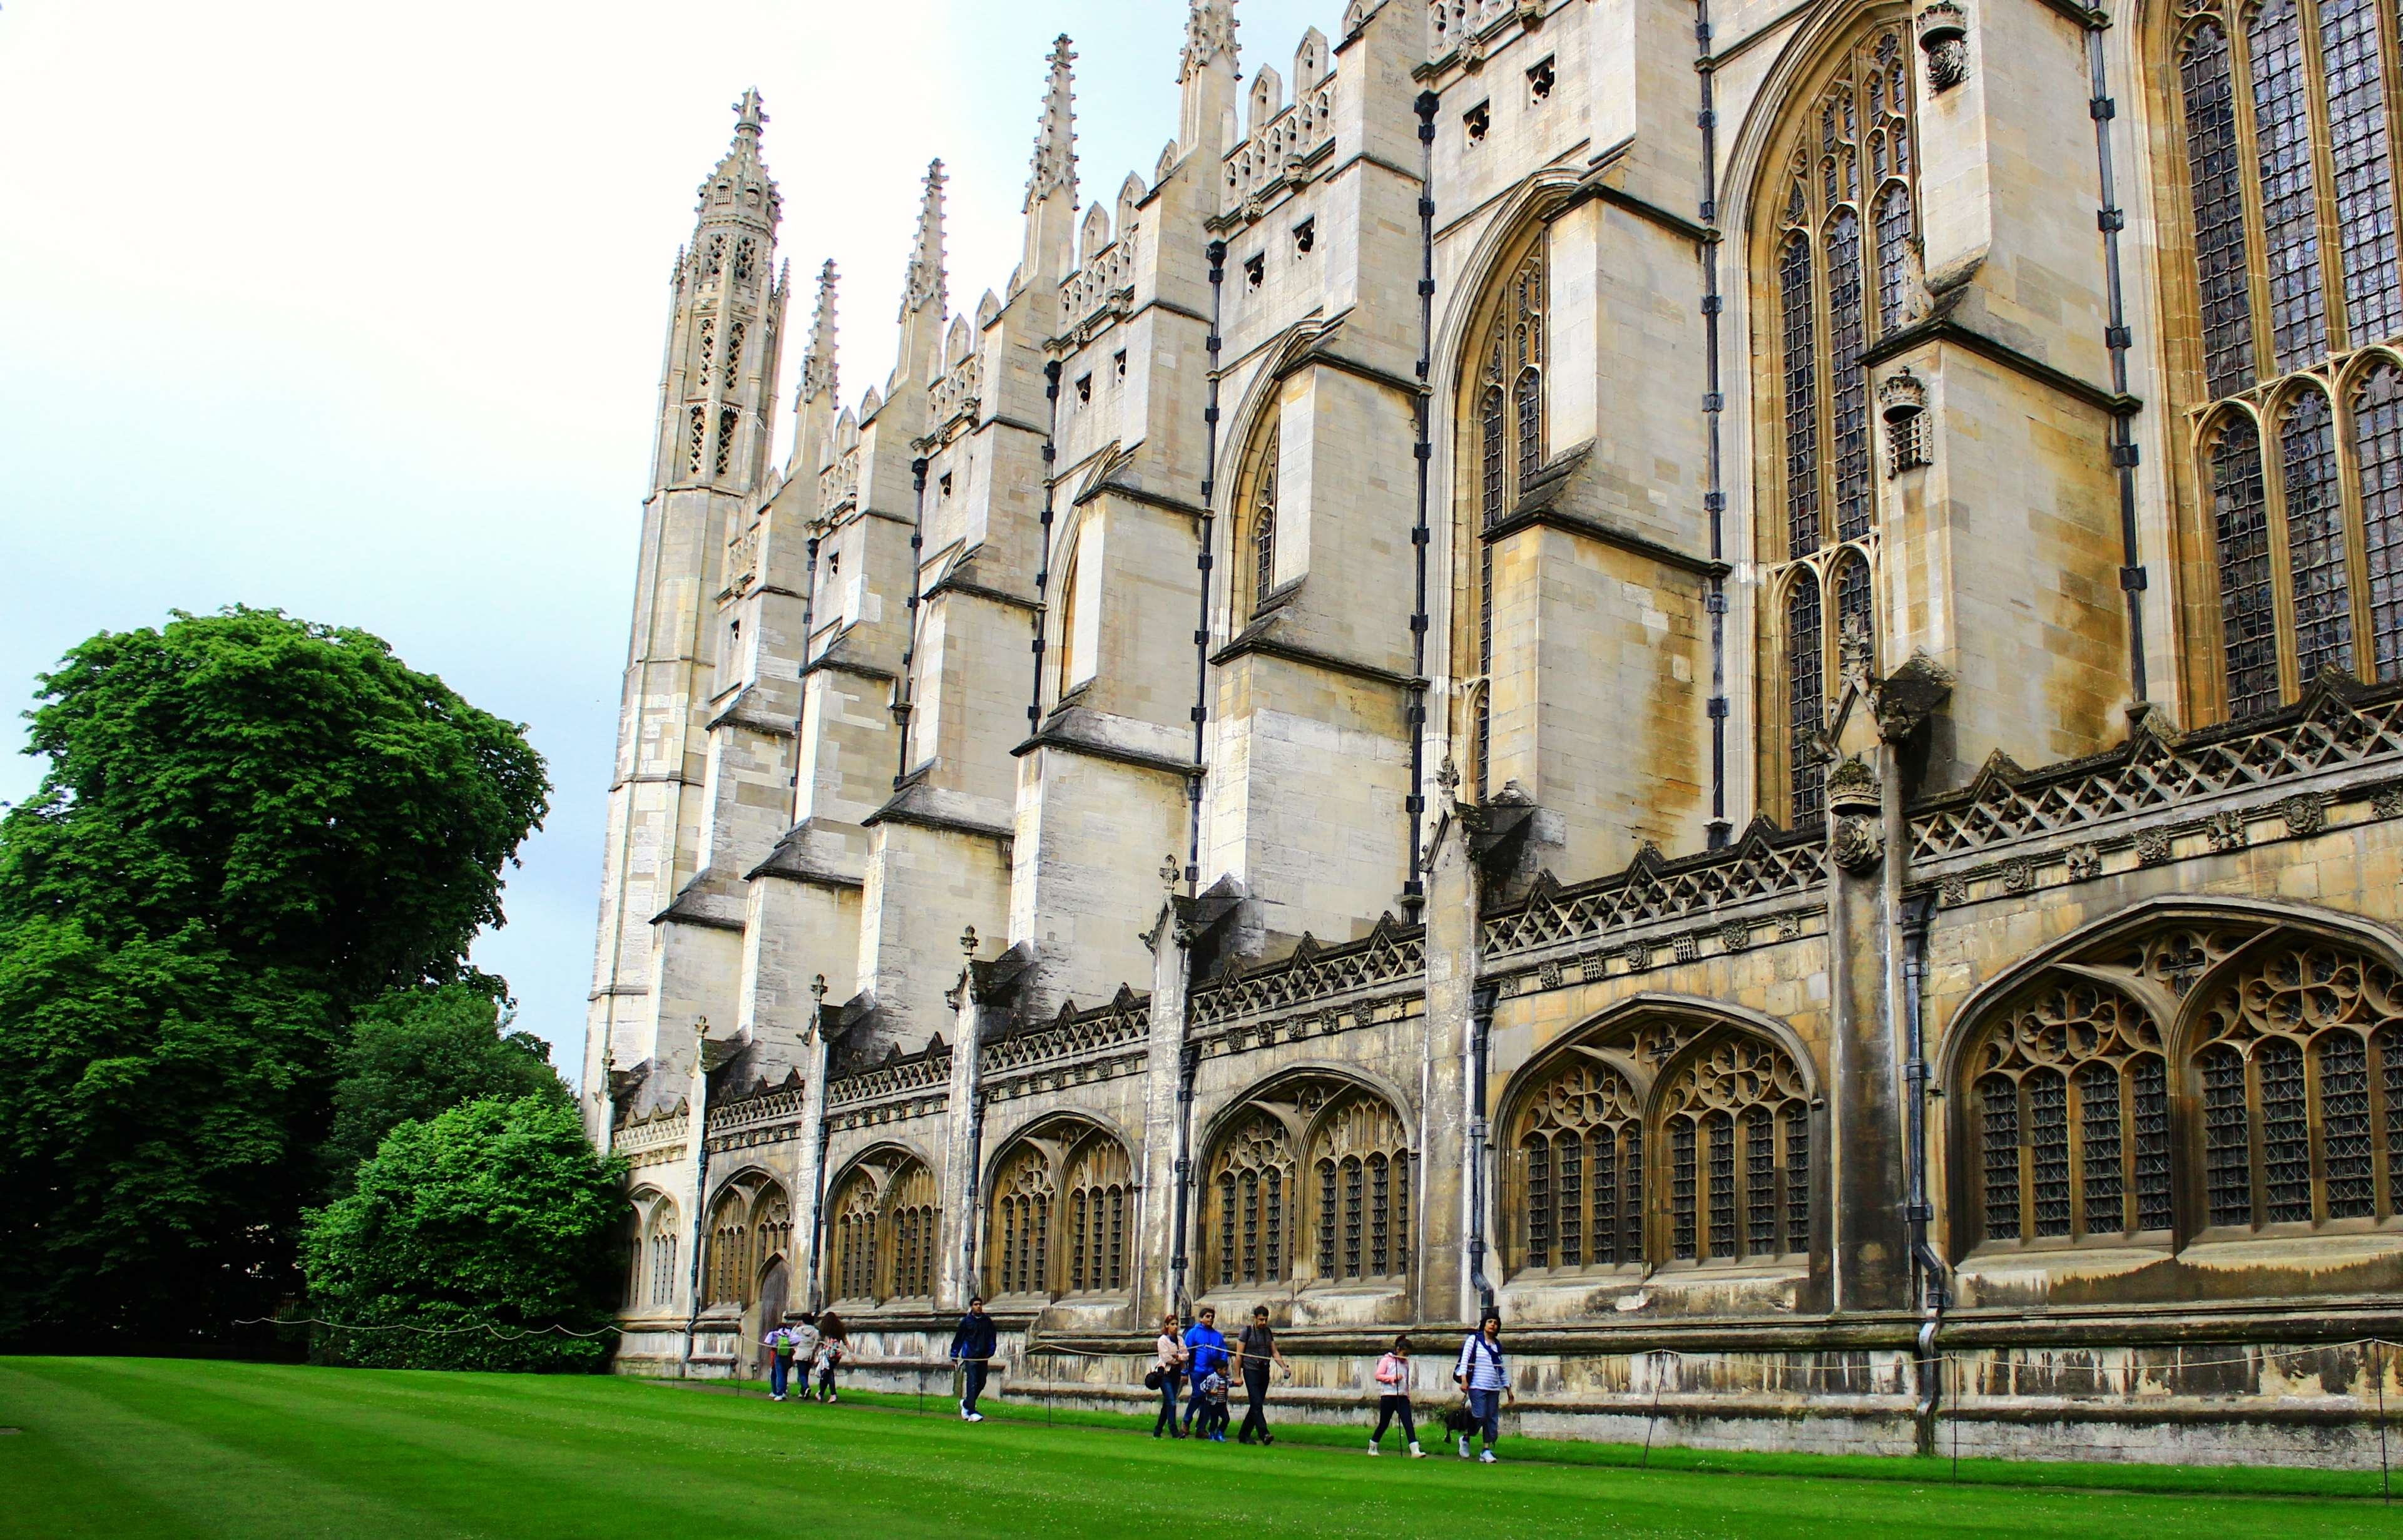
(2284, 152)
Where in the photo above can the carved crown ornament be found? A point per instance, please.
(1944, 39)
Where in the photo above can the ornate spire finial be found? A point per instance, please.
(740, 189)
(1055, 139)
(1209, 36)
(926, 281)
(817, 364)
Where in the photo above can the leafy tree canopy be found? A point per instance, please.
(309, 799)
(419, 1051)
(493, 1214)
(250, 827)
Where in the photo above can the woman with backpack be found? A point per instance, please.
(834, 1346)
(1483, 1377)
(1393, 1397)
(1167, 1370)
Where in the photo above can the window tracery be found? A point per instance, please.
(1506, 446)
(914, 1222)
(883, 1230)
(2288, 174)
(1362, 1159)
(750, 1226)
(1839, 272)
(1725, 1119)
(855, 1226)
(2057, 1078)
(1254, 564)
(1021, 1251)
(2285, 1050)
(1098, 1181)
(1253, 1179)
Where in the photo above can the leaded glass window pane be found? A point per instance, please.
(2285, 1132)
(1847, 332)
(2248, 616)
(2362, 166)
(2099, 1168)
(1801, 372)
(1805, 700)
(1682, 1195)
(2345, 1111)
(2226, 1138)
(2148, 1078)
(2289, 196)
(1722, 1189)
(2315, 537)
(2213, 164)
(2048, 1114)
(2378, 450)
(1999, 1148)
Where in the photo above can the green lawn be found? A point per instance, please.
(142, 1447)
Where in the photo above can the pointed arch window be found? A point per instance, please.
(1506, 447)
(1838, 273)
(1361, 1159)
(2288, 171)
(1254, 564)
(1727, 1112)
(1022, 1223)
(1252, 1180)
(914, 1222)
(2292, 1086)
(1098, 1182)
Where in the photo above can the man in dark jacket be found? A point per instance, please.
(973, 1344)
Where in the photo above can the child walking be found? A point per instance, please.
(1393, 1397)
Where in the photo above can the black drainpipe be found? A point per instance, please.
(1186, 1058)
(1218, 251)
(1415, 715)
(2120, 339)
(1480, 1031)
(1714, 406)
(910, 646)
(1935, 1295)
(1043, 558)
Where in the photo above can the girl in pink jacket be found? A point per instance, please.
(1394, 1399)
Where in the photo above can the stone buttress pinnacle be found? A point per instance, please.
(818, 374)
(1055, 137)
(1209, 36)
(926, 281)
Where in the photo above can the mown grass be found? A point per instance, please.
(142, 1448)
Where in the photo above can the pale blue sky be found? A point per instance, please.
(356, 310)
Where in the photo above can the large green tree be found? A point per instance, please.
(250, 826)
(468, 1238)
(419, 1051)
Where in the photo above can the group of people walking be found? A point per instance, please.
(1199, 1356)
(812, 1343)
(1194, 1369)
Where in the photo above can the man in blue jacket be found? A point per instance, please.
(1208, 1349)
(974, 1345)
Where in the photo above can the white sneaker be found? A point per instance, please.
(1374, 1451)
(976, 1417)
(1463, 1448)
(1417, 1454)
(964, 1414)
(1487, 1459)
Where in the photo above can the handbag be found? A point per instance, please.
(1155, 1378)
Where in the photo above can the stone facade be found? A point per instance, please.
(1728, 676)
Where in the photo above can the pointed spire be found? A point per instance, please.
(739, 188)
(924, 284)
(1209, 36)
(1055, 139)
(818, 380)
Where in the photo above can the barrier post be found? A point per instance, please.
(1653, 1416)
(1956, 1418)
(2385, 1482)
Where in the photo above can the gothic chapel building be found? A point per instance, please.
(1726, 673)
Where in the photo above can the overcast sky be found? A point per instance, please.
(356, 312)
